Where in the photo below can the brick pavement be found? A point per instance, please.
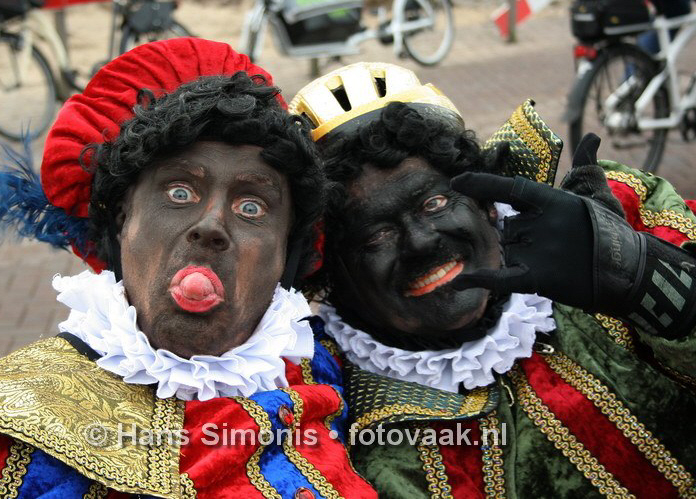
(485, 77)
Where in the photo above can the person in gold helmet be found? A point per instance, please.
(503, 338)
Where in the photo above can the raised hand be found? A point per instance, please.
(578, 251)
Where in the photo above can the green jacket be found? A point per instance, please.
(599, 410)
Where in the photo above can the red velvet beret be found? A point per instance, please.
(96, 114)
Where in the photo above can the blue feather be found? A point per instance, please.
(24, 206)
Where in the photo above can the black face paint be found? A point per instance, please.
(407, 236)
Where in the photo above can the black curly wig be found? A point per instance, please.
(401, 131)
(236, 109)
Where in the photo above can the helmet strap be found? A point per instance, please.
(291, 264)
(114, 251)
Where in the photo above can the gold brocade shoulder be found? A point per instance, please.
(534, 149)
(59, 401)
(374, 399)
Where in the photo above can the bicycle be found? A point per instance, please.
(633, 98)
(420, 29)
(29, 88)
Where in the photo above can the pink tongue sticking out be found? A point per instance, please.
(196, 286)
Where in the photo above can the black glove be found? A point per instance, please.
(586, 178)
(576, 251)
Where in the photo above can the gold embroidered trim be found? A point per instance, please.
(651, 219)
(188, 490)
(253, 468)
(434, 469)
(632, 181)
(474, 402)
(493, 473)
(565, 441)
(312, 474)
(96, 491)
(341, 405)
(617, 330)
(669, 218)
(307, 376)
(629, 425)
(72, 412)
(168, 415)
(531, 137)
(15, 468)
(331, 347)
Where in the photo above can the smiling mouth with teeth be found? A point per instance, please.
(437, 277)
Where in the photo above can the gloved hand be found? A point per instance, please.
(586, 178)
(575, 250)
(562, 246)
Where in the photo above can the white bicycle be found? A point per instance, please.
(631, 97)
(421, 29)
(29, 89)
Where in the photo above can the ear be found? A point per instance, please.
(492, 213)
(123, 209)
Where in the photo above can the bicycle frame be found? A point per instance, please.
(267, 11)
(670, 50)
(37, 23)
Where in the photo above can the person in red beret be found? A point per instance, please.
(188, 365)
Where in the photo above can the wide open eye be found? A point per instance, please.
(435, 203)
(182, 194)
(250, 208)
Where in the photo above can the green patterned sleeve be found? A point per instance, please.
(652, 205)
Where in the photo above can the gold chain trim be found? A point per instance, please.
(617, 330)
(188, 490)
(632, 181)
(565, 441)
(168, 414)
(341, 405)
(312, 474)
(15, 469)
(331, 347)
(96, 491)
(651, 219)
(669, 218)
(493, 474)
(536, 142)
(253, 468)
(473, 403)
(307, 376)
(434, 469)
(629, 425)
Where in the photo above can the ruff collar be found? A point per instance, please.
(101, 317)
(472, 364)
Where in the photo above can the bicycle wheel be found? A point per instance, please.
(131, 39)
(607, 108)
(429, 44)
(28, 100)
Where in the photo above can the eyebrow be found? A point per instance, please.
(259, 178)
(197, 171)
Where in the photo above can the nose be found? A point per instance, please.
(209, 232)
(420, 238)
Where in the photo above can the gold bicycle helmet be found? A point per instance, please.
(354, 95)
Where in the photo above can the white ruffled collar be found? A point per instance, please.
(101, 317)
(472, 364)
